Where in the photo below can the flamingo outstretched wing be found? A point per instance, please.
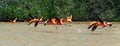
(94, 27)
(30, 23)
(99, 19)
(31, 17)
(36, 23)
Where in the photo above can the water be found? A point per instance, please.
(21, 34)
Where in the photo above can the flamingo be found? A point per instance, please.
(68, 19)
(36, 21)
(13, 21)
(95, 24)
(54, 21)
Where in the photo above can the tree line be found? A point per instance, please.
(81, 10)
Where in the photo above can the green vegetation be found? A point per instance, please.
(82, 10)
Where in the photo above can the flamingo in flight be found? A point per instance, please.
(95, 24)
(36, 21)
(54, 21)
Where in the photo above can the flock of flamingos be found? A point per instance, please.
(55, 21)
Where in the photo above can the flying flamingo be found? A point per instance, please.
(54, 21)
(36, 21)
(95, 24)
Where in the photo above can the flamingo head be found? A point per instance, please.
(108, 23)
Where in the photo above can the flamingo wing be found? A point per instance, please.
(30, 23)
(99, 19)
(89, 26)
(31, 17)
(92, 24)
(94, 27)
(36, 23)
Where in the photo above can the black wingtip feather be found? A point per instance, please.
(99, 19)
(29, 23)
(89, 27)
(94, 27)
(36, 23)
